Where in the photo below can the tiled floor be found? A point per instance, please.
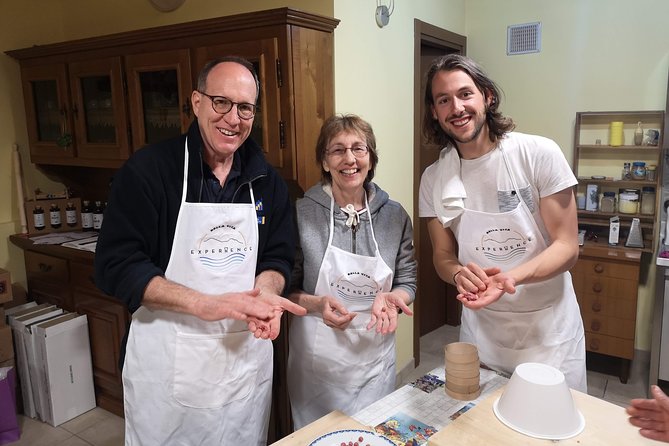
(101, 428)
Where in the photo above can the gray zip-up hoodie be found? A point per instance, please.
(392, 229)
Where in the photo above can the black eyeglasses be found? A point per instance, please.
(338, 151)
(223, 105)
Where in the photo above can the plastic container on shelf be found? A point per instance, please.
(648, 200)
(628, 203)
(638, 170)
(608, 202)
(650, 172)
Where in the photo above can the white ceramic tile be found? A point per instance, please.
(107, 432)
(85, 420)
(37, 433)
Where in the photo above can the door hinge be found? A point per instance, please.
(282, 134)
(279, 78)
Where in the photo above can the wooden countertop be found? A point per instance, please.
(330, 422)
(605, 425)
(25, 243)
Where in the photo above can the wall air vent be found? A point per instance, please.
(523, 39)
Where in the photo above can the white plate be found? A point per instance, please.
(336, 438)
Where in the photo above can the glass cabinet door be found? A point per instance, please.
(159, 89)
(47, 111)
(268, 127)
(100, 122)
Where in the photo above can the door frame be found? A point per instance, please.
(425, 35)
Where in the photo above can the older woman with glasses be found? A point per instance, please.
(355, 273)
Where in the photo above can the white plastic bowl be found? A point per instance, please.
(537, 402)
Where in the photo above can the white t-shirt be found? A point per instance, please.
(538, 166)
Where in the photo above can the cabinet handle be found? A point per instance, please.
(595, 325)
(599, 268)
(597, 287)
(594, 345)
(43, 267)
(596, 306)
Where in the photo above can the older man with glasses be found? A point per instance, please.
(197, 242)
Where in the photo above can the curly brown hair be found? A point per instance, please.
(498, 124)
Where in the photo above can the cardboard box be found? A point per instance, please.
(46, 205)
(24, 352)
(5, 286)
(66, 369)
(6, 344)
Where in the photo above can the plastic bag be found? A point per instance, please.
(9, 423)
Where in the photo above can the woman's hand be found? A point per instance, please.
(473, 279)
(385, 310)
(335, 314)
(651, 416)
(496, 286)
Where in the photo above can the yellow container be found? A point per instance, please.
(616, 133)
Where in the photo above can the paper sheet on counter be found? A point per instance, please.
(426, 401)
(58, 238)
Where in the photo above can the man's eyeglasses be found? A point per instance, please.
(223, 105)
(338, 151)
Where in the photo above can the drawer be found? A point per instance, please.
(83, 275)
(605, 306)
(609, 345)
(46, 268)
(611, 326)
(616, 288)
(608, 269)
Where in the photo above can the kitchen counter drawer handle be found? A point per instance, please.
(596, 306)
(599, 268)
(45, 268)
(594, 345)
(595, 325)
(597, 287)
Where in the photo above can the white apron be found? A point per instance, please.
(540, 322)
(191, 382)
(348, 369)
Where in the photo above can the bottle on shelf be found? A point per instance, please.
(54, 216)
(86, 216)
(71, 214)
(38, 218)
(627, 172)
(638, 134)
(98, 215)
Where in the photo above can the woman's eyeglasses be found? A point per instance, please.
(338, 151)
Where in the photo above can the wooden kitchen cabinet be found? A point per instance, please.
(64, 277)
(606, 277)
(606, 283)
(598, 163)
(159, 89)
(48, 112)
(111, 95)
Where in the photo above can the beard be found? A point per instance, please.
(479, 121)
